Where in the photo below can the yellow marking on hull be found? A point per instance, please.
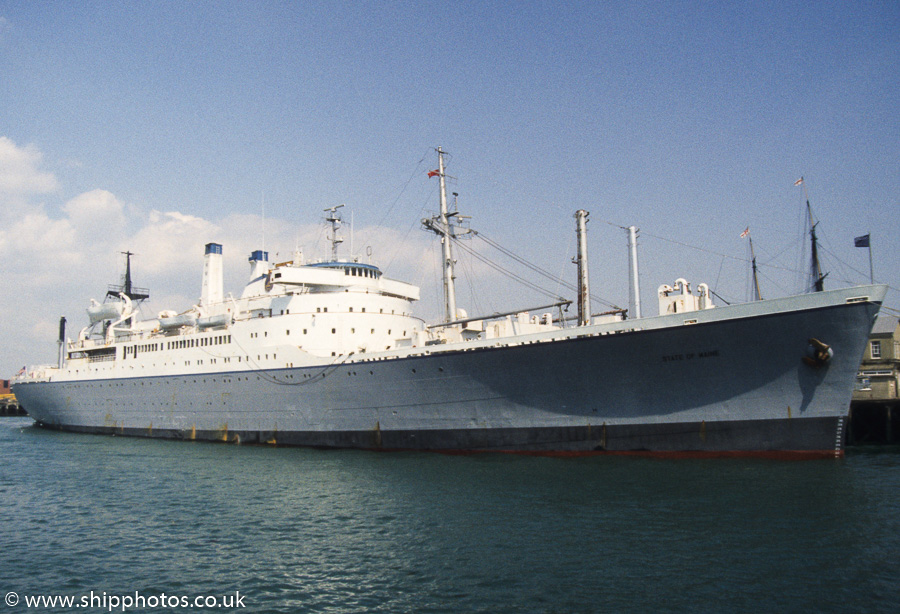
(193, 432)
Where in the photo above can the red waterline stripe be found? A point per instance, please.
(662, 454)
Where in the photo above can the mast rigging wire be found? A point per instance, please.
(505, 271)
(525, 263)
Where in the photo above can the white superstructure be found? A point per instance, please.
(288, 315)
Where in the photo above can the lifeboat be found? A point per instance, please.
(113, 310)
(223, 319)
(172, 322)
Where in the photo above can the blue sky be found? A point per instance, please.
(158, 127)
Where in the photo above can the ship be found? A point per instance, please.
(330, 354)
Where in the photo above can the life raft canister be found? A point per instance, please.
(817, 353)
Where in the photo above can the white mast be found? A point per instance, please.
(440, 225)
(447, 251)
(635, 286)
(584, 292)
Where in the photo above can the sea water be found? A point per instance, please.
(109, 521)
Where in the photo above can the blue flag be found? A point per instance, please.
(862, 241)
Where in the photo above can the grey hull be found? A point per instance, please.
(732, 384)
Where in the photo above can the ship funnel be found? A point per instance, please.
(259, 264)
(61, 362)
(212, 290)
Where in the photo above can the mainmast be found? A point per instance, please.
(440, 225)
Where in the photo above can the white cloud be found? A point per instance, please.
(19, 171)
(36, 236)
(54, 249)
(96, 211)
(167, 240)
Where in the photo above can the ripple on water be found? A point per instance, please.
(343, 531)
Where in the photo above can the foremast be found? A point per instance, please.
(818, 278)
(757, 295)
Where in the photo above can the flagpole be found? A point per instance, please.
(871, 266)
(866, 241)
